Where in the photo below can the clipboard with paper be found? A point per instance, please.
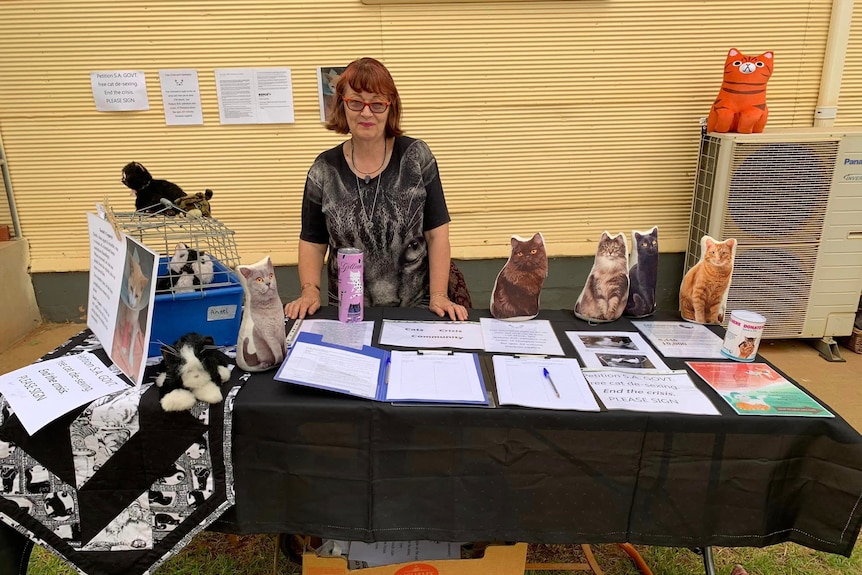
(428, 377)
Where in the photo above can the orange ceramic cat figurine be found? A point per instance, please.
(741, 102)
(704, 289)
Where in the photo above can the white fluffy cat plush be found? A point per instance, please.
(261, 344)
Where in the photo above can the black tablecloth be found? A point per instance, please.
(308, 461)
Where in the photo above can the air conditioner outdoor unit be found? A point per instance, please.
(793, 201)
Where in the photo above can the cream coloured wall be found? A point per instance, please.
(565, 117)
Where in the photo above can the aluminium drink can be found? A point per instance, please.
(351, 292)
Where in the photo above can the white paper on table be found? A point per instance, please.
(682, 338)
(331, 368)
(615, 349)
(435, 377)
(40, 393)
(535, 336)
(651, 391)
(391, 552)
(354, 334)
(432, 334)
(521, 381)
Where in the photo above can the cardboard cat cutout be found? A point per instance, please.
(606, 292)
(704, 289)
(519, 284)
(261, 344)
(741, 102)
(643, 275)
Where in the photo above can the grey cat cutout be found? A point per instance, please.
(261, 342)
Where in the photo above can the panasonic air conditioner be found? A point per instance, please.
(793, 200)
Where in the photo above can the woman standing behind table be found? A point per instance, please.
(380, 192)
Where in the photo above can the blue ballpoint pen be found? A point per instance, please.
(551, 381)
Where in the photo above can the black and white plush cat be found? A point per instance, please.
(194, 369)
(148, 191)
(188, 268)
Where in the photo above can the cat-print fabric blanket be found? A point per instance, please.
(119, 485)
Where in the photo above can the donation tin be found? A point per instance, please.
(350, 285)
(744, 330)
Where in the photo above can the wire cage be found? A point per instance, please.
(165, 229)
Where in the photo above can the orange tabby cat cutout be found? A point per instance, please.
(704, 289)
(741, 103)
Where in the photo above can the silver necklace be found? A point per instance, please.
(362, 201)
(368, 174)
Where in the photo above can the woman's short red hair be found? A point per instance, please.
(366, 75)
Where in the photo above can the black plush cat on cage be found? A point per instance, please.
(148, 191)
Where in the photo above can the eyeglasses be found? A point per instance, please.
(359, 105)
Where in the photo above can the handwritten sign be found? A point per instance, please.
(42, 392)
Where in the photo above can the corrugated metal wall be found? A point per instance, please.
(561, 117)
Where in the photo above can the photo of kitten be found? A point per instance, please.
(519, 284)
(606, 292)
(704, 289)
(746, 346)
(608, 342)
(627, 361)
(129, 348)
(327, 80)
(643, 275)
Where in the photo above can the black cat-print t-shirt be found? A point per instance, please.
(385, 218)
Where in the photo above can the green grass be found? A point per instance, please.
(219, 554)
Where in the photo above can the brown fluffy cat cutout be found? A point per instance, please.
(519, 284)
(704, 289)
(261, 342)
(606, 292)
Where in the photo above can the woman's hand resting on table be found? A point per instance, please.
(307, 303)
(442, 305)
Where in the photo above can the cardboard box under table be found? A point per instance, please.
(498, 560)
(214, 309)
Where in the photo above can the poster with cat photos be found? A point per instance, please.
(121, 295)
(704, 288)
(518, 286)
(606, 290)
(643, 274)
(327, 78)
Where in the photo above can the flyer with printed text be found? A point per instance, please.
(757, 389)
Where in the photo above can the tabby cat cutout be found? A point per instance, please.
(606, 292)
(519, 284)
(704, 289)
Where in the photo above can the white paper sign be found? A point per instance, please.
(682, 339)
(432, 334)
(181, 97)
(42, 392)
(535, 336)
(122, 91)
(254, 95)
(121, 295)
(649, 391)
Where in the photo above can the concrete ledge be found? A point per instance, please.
(18, 309)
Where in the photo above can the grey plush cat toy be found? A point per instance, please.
(261, 344)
